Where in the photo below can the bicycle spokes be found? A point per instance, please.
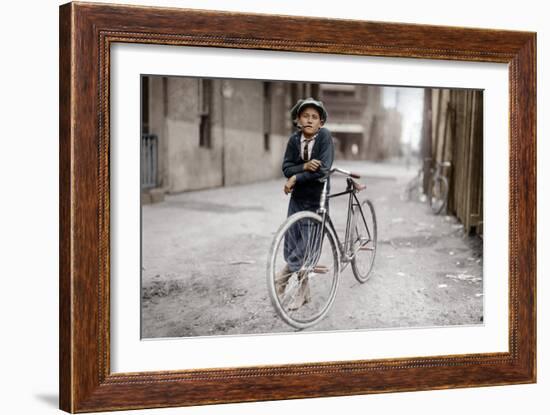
(363, 246)
(305, 248)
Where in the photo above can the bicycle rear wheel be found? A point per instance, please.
(439, 191)
(363, 234)
(303, 270)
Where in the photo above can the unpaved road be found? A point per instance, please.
(205, 253)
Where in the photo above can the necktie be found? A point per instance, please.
(306, 149)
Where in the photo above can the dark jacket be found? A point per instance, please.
(308, 186)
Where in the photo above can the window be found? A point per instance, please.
(205, 113)
(144, 104)
(339, 94)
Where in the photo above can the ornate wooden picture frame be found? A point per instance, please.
(87, 32)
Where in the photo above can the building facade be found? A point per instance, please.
(202, 133)
(362, 127)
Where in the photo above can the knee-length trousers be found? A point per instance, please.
(302, 241)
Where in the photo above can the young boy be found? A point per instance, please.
(308, 157)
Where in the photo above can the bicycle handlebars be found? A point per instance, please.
(345, 172)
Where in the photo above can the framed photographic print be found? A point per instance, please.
(259, 207)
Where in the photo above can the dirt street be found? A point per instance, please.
(205, 252)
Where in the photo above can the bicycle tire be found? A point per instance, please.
(413, 188)
(364, 234)
(323, 286)
(438, 194)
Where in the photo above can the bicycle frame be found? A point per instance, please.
(344, 248)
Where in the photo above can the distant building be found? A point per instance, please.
(362, 127)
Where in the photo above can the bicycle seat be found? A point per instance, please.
(358, 186)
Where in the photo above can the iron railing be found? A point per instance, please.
(149, 161)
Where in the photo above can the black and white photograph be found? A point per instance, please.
(289, 207)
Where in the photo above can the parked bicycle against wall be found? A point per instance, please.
(414, 190)
(439, 188)
(322, 254)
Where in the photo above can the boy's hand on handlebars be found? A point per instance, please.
(289, 185)
(312, 165)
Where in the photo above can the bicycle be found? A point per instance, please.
(414, 190)
(439, 188)
(318, 256)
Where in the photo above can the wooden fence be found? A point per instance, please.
(457, 136)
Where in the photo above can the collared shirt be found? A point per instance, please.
(310, 144)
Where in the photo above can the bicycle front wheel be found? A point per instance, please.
(363, 240)
(439, 191)
(303, 270)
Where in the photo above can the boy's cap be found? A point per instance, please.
(296, 109)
